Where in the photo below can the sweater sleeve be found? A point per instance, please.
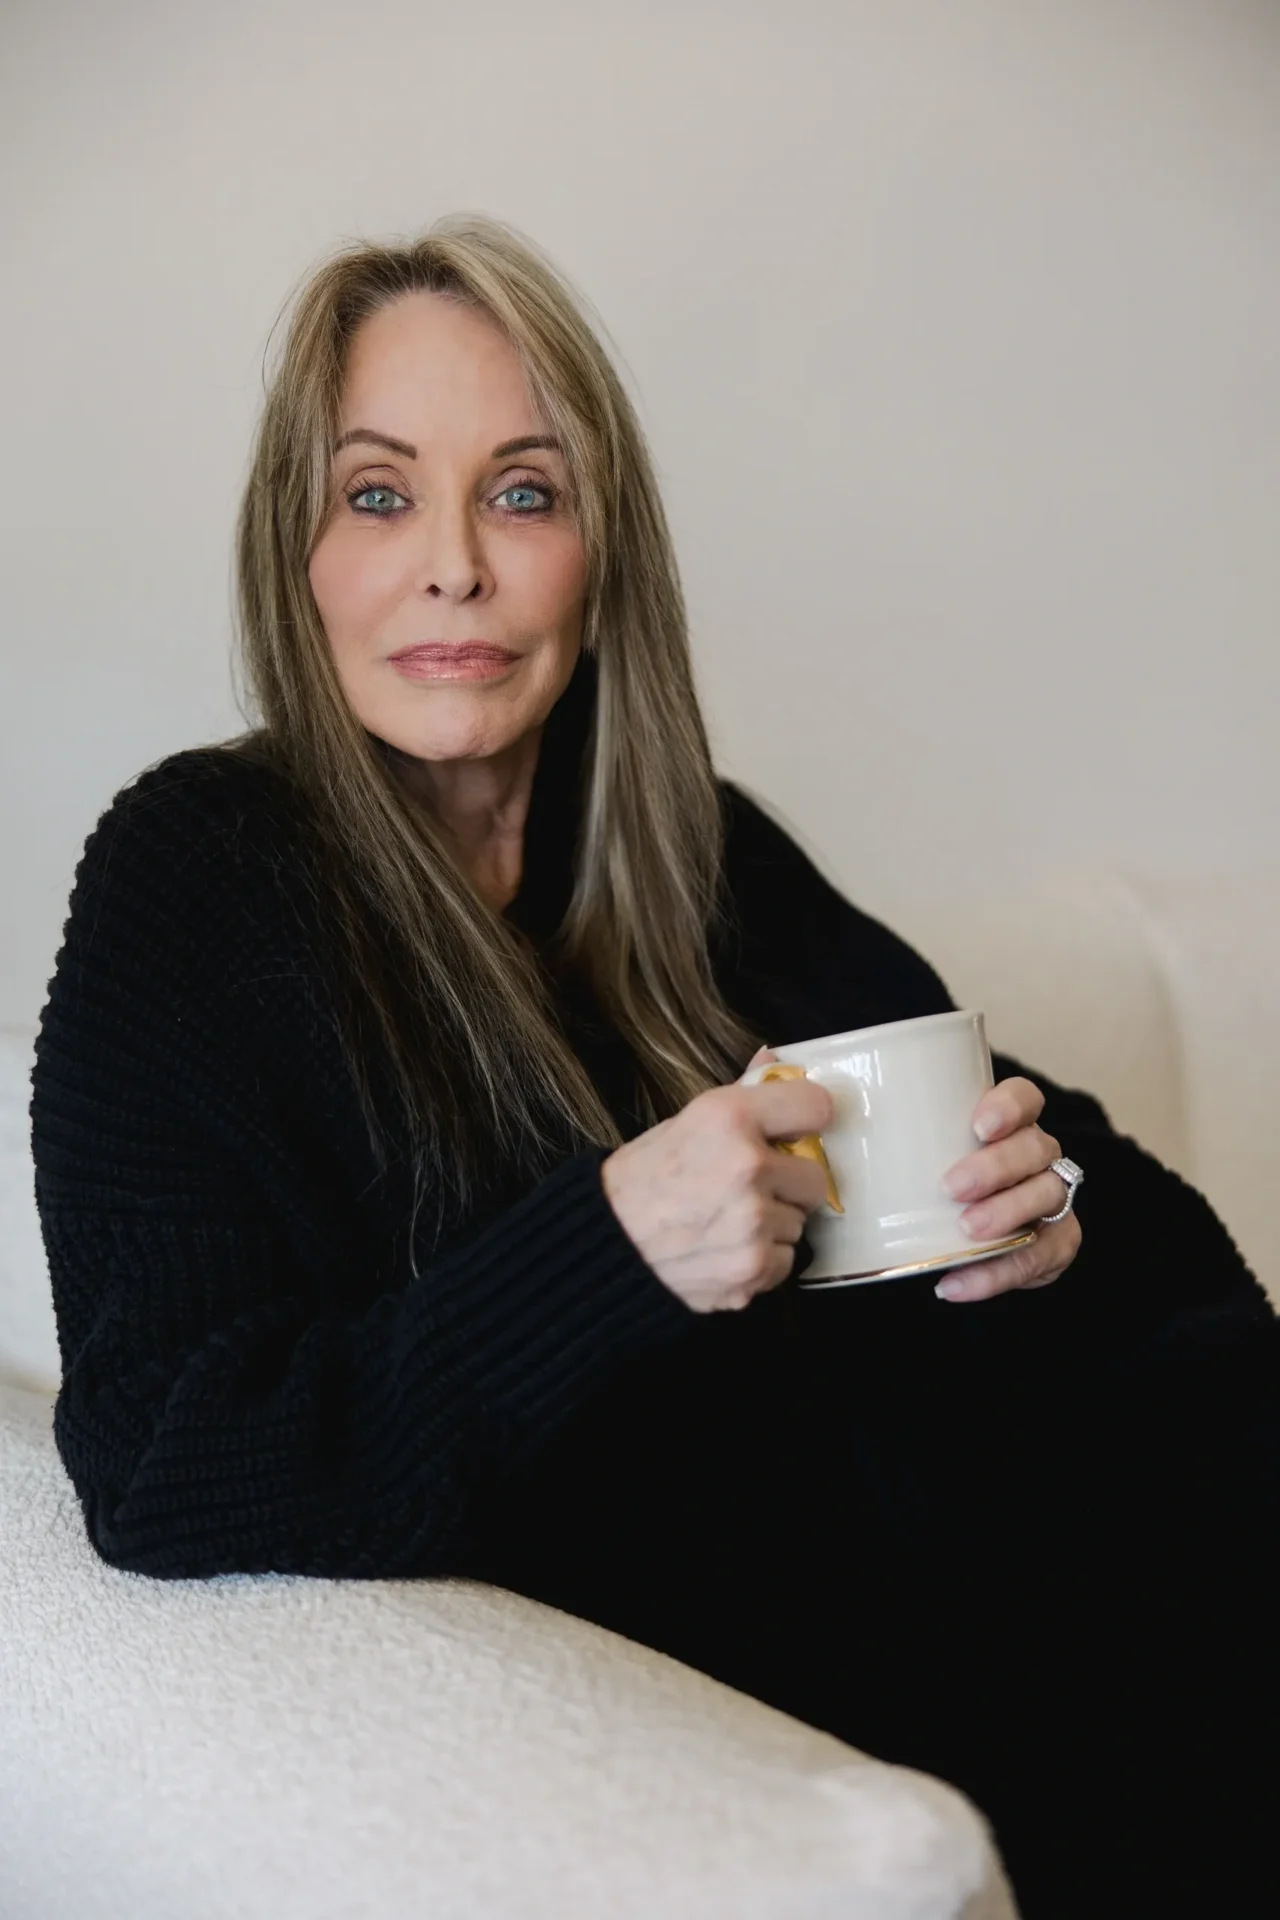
(1155, 1253)
(247, 1392)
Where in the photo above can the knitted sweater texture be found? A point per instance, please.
(1024, 1545)
(253, 1380)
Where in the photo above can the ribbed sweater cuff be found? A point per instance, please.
(547, 1296)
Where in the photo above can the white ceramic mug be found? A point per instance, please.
(904, 1097)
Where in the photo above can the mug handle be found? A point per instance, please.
(809, 1146)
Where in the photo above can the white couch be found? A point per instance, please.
(1157, 994)
(268, 1746)
(276, 1748)
(271, 1748)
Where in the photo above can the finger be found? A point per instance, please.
(785, 1109)
(1011, 1104)
(1062, 1243)
(1022, 1206)
(809, 1146)
(797, 1183)
(773, 1268)
(1025, 1270)
(785, 1224)
(762, 1220)
(1024, 1154)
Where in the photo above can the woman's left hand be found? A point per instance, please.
(1007, 1187)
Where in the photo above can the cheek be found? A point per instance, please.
(548, 577)
(352, 580)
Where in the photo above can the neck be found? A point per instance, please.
(483, 806)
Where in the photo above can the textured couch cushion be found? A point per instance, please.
(282, 1748)
(1218, 946)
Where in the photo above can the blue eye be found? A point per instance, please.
(523, 498)
(381, 501)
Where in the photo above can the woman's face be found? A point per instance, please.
(450, 531)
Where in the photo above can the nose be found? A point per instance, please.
(453, 565)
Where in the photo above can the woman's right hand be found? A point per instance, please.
(712, 1206)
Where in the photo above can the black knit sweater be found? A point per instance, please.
(1023, 1506)
(252, 1379)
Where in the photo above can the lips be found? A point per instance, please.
(464, 653)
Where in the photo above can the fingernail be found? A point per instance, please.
(976, 1222)
(987, 1126)
(950, 1289)
(956, 1185)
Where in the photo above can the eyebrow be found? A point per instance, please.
(375, 440)
(526, 444)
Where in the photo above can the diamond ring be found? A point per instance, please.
(1068, 1172)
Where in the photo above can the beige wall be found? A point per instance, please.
(955, 329)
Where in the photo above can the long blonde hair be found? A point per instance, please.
(479, 1060)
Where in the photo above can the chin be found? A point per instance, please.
(463, 728)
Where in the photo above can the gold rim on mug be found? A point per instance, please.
(932, 1265)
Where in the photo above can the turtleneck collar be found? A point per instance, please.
(555, 809)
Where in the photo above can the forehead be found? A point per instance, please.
(429, 369)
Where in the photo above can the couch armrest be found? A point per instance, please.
(273, 1746)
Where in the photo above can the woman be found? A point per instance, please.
(404, 1219)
